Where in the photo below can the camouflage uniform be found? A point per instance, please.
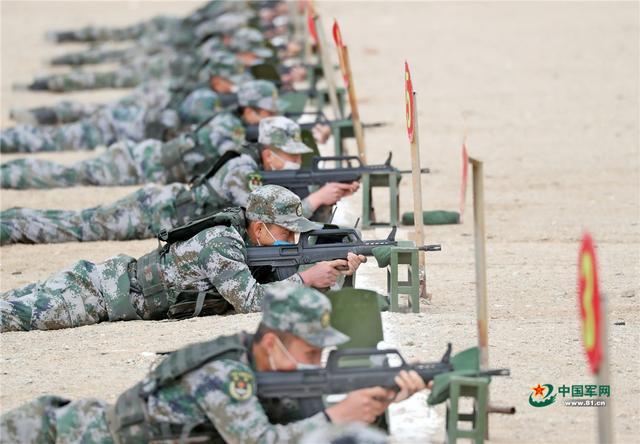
(156, 105)
(103, 128)
(127, 163)
(162, 65)
(128, 118)
(160, 28)
(130, 163)
(144, 213)
(162, 62)
(120, 288)
(221, 63)
(211, 385)
(146, 46)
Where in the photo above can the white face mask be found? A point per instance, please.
(299, 365)
(287, 164)
(276, 242)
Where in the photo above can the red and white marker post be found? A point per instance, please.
(414, 141)
(347, 76)
(593, 316)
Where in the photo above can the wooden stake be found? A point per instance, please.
(481, 270)
(416, 177)
(327, 67)
(353, 104)
(480, 256)
(605, 430)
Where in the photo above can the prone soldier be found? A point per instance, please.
(145, 212)
(208, 391)
(204, 274)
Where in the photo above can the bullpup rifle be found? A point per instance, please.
(348, 370)
(314, 246)
(299, 181)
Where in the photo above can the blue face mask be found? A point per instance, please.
(281, 242)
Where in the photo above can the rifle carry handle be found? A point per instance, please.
(336, 355)
(317, 159)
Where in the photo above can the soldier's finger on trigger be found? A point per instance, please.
(416, 379)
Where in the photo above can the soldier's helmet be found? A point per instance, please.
(351, 433)
(273, 204)
(302, 311)
(282, 133)
(260, 94)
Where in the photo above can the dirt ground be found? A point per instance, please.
(548, 94)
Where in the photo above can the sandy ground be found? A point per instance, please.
(549, 97)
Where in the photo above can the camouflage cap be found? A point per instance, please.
(273, 204)
(221, 134)
(199, 105)
(226, 64)
(302, 311)
(260, 94)
(282, 133)
(250, 40)
(209, 48)
(230, 21)
(223, 24)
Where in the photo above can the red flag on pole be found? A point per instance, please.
(337, 38)
(409, 101)
(311, 24)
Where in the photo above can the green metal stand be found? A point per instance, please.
(404, 253)
(341, 129)
(372, 180)
(476, 388)
(322, 99)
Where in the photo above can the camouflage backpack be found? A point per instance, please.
(128, 418)
(177, 303)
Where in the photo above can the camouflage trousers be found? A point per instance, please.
(105, 127)
(155, 26)
(94, 55)
(82, 294)
(62, 112)
(139, 215)
(123, 163)
(51, 419)
(77, 80)
(152, 97)
(156, 67)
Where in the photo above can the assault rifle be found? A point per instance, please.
(298, 181)
(315, 246)
(345, 372)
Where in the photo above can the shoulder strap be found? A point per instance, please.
(196, 355)
(231, 154)
(230, 217)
